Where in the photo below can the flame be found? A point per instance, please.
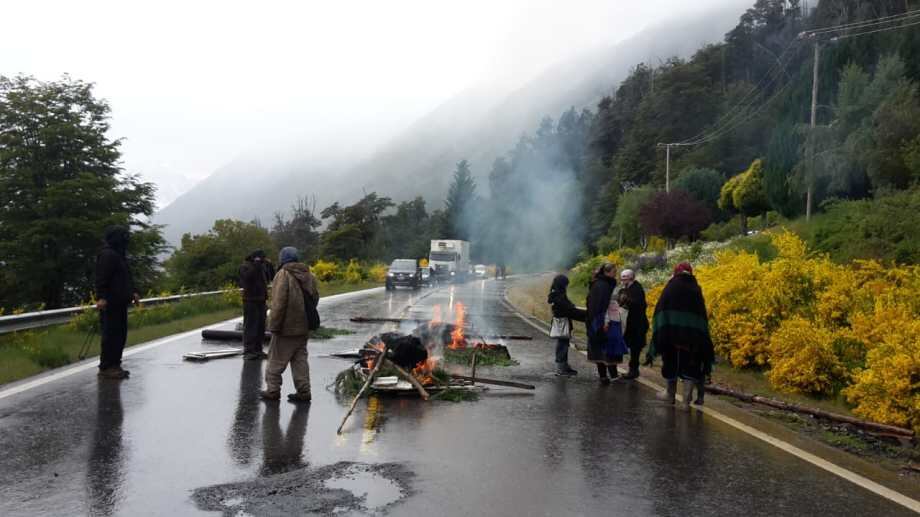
(381, 347)
(457, 339)
(423, 370)
(436, 315)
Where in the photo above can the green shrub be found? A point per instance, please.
(760, 245)
(722, 231)
(49, 356)
(884, 229)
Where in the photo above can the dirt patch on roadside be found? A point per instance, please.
(344, 487)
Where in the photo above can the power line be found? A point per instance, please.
(902, 26)
(728, 118)
(863, 24)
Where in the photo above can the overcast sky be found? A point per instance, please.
(194, 83)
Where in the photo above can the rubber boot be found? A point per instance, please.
(632, 374)
(687, 393)
(670, 392)
(700, 390)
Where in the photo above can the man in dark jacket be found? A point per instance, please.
(254, 277)
(114, 292)
(636, 320)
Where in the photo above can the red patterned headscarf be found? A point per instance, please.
(683, 267)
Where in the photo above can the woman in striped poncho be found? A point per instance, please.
(680, 333)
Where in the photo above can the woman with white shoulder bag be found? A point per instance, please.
(564, 311)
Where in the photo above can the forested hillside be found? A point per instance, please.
(738, 106)
(478, 125)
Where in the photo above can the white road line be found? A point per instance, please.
(817, 461)
(137, 349)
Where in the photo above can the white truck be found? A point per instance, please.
(449, 260)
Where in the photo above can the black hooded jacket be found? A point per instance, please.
(559, 300)
(113, 278)
(599, 299)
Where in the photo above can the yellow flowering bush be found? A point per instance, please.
(353, 273)
(377, 273)
(819, 327)
(325, 271)
(802, 358)
(887, 390)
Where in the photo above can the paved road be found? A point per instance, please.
(145, 446)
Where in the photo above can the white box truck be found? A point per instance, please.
(449, 260)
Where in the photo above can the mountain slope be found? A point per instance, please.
(478, 125)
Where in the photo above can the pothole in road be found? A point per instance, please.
(344, 487)
(375, 489)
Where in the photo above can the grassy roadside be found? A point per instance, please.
(528, 295)
(18, 362)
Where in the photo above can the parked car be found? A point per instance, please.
(480, 270)
(403, 273)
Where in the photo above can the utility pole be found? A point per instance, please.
(667, 166)
(814, 111)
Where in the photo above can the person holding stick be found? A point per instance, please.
(114, 292)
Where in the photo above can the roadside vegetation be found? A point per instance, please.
(29, 352)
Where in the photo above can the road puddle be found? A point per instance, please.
(374, 489)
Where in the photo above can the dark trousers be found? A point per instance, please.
(635, 350)
(562, 350)
(602, 370)
(253, 326)
(681, 363)
(114, 330)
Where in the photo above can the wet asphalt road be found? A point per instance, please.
(141, 447)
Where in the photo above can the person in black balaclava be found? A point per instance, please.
(114, 292)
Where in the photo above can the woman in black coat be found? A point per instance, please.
(606, 346)
(563, 308)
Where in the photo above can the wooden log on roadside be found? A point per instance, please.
(409, 377)
(481, 380)
(362, 319)
(227, 335)
(796, 408)
(370, 379)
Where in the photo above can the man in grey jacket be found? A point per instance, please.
(293, 287)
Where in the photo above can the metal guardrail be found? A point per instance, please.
(38, 319)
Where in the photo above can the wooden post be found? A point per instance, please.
(473, 366)
(370, 379)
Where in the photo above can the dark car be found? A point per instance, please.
(405, 273)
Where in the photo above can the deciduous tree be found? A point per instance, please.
(61, 184)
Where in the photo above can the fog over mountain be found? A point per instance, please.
(478, 124)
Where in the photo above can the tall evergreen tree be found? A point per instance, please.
(459, 204)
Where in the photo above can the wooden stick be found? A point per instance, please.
(409, 377)
(720, 390)
(473, 367)
(362, 319)
(496, 382)
(370, 379)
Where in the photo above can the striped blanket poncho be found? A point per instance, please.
(680, 319)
